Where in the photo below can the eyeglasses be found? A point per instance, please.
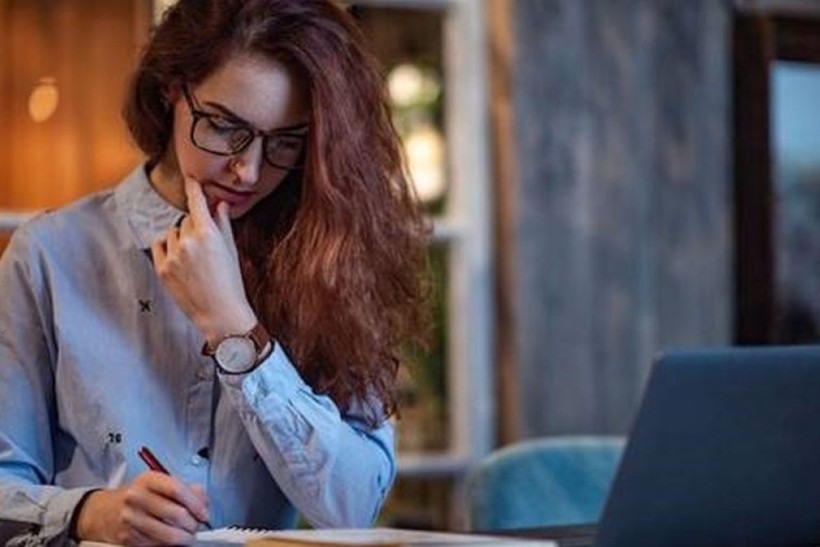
(227, 136)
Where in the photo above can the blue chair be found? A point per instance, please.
(552, 481)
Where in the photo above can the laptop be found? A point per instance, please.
(725, 450)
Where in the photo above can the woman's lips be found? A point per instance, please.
(218, 192)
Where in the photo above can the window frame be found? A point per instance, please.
(466, 227)
(761, 38)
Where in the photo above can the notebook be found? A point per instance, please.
(394, 537)
(391, 537)
(725, 450)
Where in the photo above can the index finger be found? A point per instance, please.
(173, 489)
(197, 204)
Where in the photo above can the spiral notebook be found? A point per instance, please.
(394, 537)
(344, 537)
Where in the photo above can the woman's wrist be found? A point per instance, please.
(218, 328)
(83, 522)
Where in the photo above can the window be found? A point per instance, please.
(777, 63)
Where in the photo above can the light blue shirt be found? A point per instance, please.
(97, 360)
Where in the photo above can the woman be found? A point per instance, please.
(235, 304)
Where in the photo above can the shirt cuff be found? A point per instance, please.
(75, 515)
(275, 375)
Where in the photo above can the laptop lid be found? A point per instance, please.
(725, 449)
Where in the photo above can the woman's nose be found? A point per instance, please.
(247, 164)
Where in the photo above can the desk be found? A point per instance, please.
(579, 535)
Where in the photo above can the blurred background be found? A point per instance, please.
(607, 179)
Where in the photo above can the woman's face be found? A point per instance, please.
(247, 96)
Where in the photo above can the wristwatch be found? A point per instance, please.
(241, 353)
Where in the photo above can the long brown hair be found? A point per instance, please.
(333, 260)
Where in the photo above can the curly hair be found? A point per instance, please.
(333, 260)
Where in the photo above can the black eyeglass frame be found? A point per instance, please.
(197, 114)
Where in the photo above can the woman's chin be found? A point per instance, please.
(237, 211)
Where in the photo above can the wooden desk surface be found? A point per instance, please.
(577, 535)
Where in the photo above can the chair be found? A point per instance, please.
(552, 481)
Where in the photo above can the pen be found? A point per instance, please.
(154, 465)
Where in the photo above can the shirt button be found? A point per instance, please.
(196, 460)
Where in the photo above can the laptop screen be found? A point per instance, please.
(725, 449)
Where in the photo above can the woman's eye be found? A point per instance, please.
(288, 144)
(221, 124)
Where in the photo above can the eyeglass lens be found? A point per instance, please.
(222, 137)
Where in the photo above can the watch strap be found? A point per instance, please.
(259, 336)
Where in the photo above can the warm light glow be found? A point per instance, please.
(409, 85)
(160, 6)
(44, 99)
(424, 147)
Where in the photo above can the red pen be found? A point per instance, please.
(154, 465)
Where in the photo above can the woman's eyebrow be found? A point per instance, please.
(292, 128)
(227, 112)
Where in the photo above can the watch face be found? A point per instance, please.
(235, 354)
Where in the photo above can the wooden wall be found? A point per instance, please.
(88, 47)
(617, 219)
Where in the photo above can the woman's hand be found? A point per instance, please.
(155, 509)
(198, 264)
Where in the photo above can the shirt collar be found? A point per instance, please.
(147, 213)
